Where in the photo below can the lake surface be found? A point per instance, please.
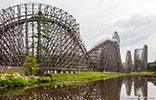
(123, 88)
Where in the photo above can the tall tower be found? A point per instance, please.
(116, 38)
(142, 55)
(128, 61)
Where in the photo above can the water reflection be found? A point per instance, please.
(109, 89)
(140, 86)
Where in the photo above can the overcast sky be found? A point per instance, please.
(135, 20)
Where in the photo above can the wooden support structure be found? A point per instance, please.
(106, 56)
(66, 48)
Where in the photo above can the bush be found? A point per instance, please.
(19, 82)
(152, 66)
(31, 63)
(39, 79)
(46, 79)
(10, 82)
(32, 80)
(3, 83)
(140, 65)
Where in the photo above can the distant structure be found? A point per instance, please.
(141, 54)
(128, 61)
(116, 38)
(106, 56)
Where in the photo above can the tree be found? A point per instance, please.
(139, 65)
(152, 66)
(42, 33)
(31, 63)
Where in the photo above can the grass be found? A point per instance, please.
(140, 73)
(6, 72)
(86, 77)
(92, 75)
(78, 78)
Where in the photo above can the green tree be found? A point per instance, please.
(42, 33)
(31, 63)
(152, 66)
(139, 65)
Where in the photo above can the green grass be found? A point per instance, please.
(92, 75)
(140, 73)
(6, 72)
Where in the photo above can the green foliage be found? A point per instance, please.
(44, 33)
(152, 66)
(39, 79)
(19, 82)
(32, 80)
(9, 83)
(16, 82)
(31, 63)
(139, 64)
(128, 70)
(3, 83)
(46, 79)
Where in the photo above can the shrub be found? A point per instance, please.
(31, 63)
(19, 82)
(3, 83)
(46, 79)
(39, 79)
(32, 80)
(13, 82)
(139, 64)
(152, 66)
(9, 83)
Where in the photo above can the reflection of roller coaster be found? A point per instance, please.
(109, 89)
(140, 86)
(66, 48)
(101, 90)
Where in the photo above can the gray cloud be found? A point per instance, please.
(137, 28)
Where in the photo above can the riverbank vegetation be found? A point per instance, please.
(152, 66)
(90, 76)
(12, 79)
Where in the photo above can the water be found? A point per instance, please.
(123, 88)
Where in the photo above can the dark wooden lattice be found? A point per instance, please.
(66, 48)
(106, 56)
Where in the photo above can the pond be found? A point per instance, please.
(122, 88)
